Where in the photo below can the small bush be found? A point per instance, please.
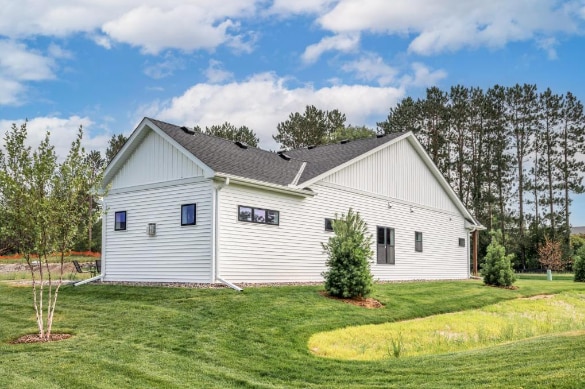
(349, 252)
(497, 267)
(579, 265)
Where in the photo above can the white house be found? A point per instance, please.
(188, 207)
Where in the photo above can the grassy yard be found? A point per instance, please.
(163, 337)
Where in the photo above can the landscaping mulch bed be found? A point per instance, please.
(368, 302)
(35, 338)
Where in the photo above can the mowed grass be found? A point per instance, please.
(129, 337)
(488, 326)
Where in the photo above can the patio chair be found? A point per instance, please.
(79, 268)
(98, 266)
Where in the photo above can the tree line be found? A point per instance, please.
(514, 156)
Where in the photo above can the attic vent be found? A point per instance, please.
(380, 135)
(188, 130)
(242, 145)
(282, 155)
(311, 147)
(344, 141)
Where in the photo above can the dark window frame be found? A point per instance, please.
(329, 224)
(418, 244)
(253, 216)
(194, 223)
(461, 242)
(122, 224)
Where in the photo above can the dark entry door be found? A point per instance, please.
(385, 245)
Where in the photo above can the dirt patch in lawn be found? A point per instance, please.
(539, 297)
(35, 338)
(368, 302)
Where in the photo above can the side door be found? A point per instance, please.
(385, 245)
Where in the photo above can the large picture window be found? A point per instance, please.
(120, 221)
(258, 215)
(188, 214)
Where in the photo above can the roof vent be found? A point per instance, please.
(284, 156)
(240, 144)
(344, 141)
(188, 130)
(380, 135)
(311, 147)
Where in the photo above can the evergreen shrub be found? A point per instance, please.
(497, 267)
(349, 255)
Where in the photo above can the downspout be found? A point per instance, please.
(216, 239)
(92, 279)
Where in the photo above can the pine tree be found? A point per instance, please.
(313, 127)
(570, 168)
(230, 132)
(550, 115)
(349, 255)
(497, 266)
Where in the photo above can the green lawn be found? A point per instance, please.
(163, 337)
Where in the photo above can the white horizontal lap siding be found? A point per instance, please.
(154, 160)
(250, 252)
(292, 251)
(397, 172)
(177, 253)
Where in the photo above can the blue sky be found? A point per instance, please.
(106, 64)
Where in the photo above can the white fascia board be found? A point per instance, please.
(135, 138)
(264, 185)
(352, 161)
(442, 181)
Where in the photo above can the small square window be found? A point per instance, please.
(418, 240)
(259, 215)
(329, 225)
(188, 214)
(461, 242)
(272, 217)
(120, 221)
(244, 214)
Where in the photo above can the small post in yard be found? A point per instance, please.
(548, 275)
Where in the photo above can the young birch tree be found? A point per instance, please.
(45, 203)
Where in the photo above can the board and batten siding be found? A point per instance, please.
(292, 251)
(154, 160)
(177, 253)
(397, 172)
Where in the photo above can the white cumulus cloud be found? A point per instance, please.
(18, 65)
(264, 100)
(342, 42)
(437, 26)
(63, 131)
(371, 67)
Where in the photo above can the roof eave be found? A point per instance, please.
(230, 178)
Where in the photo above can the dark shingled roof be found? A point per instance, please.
(224, 156)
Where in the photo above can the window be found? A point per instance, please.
(188, 217)
(120, 221)
(258, 215)
(329, 225)
(461, 242)
(417, 241)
